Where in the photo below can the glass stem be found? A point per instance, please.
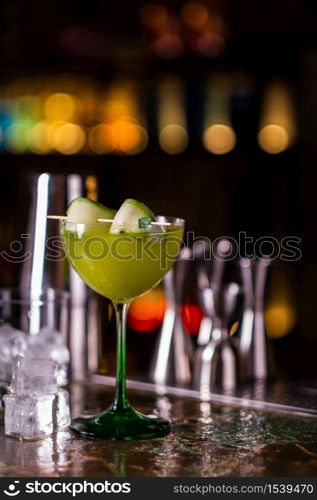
(121, 401)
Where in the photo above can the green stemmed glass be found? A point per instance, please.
(121, 267)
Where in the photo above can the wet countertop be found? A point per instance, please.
(206, 440)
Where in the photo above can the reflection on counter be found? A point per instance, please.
(206, 440)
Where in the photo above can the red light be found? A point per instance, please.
(169, 46)
(210, 44)
(146, 315)
(147, 312)
(192, 316)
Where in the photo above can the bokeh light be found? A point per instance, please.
(68, 138)
(25, 106)
(102, 139)
(169, 46)
(33, 117)
(130, 138)
(210, 44)
(146, 313)
(195, 15)
(277, 129)
(91, 184)
(5, 114)
(281, 309)
(40, 138)
(116, 110)
(219, 139)
(173, 139)
(273, 139)
(192, 316)
(280, 319)
(17, 138)
(173, 136)
(60, 106)
(153, 16)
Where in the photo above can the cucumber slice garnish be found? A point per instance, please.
(128, 215)
(85, 211)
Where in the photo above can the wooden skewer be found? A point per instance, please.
(152, 223)
(56, 217)
(104, 220)
(161, 223)
(63, 217)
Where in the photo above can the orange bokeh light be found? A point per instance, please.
(195, 15)
(173, 139)
(117, 110)
(102, 139)
(130, 138)
(273, 138)
(61, 106)
(40, 137)
(68, 138)
(146, 313)
(219, 139)
(153, 16)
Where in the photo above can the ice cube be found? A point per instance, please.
(61, 412)
(12, 343)
(2, 393)
(51, 336)
(33, 376)
(28, 417)
(50, 344)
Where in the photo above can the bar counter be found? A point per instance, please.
(206, 440)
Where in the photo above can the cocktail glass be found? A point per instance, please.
(121, 267)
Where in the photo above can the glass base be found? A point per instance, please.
(121, 424)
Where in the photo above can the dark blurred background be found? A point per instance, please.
(205, 110)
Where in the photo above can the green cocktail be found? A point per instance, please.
(122, 264)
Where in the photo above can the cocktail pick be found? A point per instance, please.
(144, 222)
